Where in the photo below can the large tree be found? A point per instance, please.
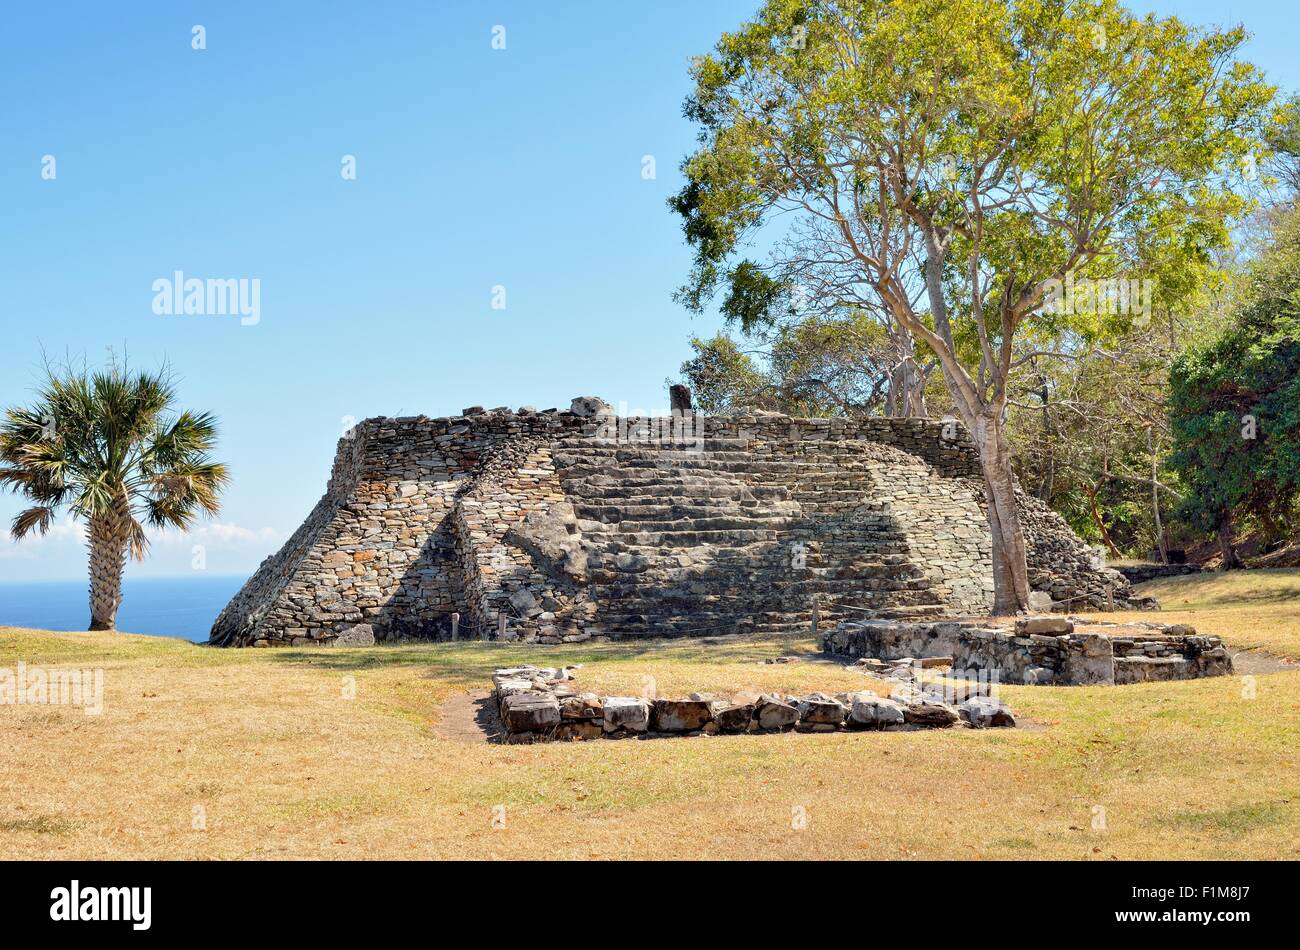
(108, 448)
(955, 161)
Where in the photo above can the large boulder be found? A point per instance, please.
(1040, 601)
(524, 601)
(772, 712)
(357, 635)
(588, 407)
(733, 717)
(552, 538)
(870, 711)
(983, 712)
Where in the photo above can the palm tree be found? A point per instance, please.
(108, 447)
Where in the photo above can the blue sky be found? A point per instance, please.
(476, 168)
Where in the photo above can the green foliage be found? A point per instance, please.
(724, 378)
(1284, 138)
(1235, 403)
(754, 300)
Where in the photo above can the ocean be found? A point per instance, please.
(161, 606)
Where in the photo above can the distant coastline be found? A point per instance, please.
(183, 606)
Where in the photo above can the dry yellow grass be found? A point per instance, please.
(1255, 609)
(267, 748)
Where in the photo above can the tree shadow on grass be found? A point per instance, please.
(480, 658)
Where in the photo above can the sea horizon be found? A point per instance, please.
(178, 605)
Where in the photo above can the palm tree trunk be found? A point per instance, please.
(107, 558)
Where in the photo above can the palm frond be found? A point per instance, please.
(39, 518)
(137, 541)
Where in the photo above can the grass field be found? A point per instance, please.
(204, 753)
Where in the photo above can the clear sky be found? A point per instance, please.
(523, 168)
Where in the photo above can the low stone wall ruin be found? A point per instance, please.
(541, 704)
(1042, 650)
(1141, 573)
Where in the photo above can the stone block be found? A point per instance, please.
(626, 713)
(681, 715)
(822, 710)
(530, 711)
(584, 706)
(573, 730)
(930, 714)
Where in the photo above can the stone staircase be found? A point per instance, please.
(725, 540)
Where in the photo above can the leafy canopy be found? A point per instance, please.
(941, 161)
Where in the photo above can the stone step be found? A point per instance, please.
(735, 522)
(649, 472)
(632, 626)
(688, 592)
(590, 456)
(692, 508)
(711, 444)
(604, 485)
(693, 538)
(696, 464)
(606, 541)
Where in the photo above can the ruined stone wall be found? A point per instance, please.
(566, 526)
(1092, 656)
(503, 574)
(268, 599)
(1039, 650)
(380, 550)
(1062, 565)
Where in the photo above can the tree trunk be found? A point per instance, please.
(1047, 483)
(914, 407)
(107, 558)
(906, 395)
(1228, 552)
(1010, 563)
(1161, 545)
(1100, 522)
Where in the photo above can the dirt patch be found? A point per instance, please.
(1255, 662)
(470, 717)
